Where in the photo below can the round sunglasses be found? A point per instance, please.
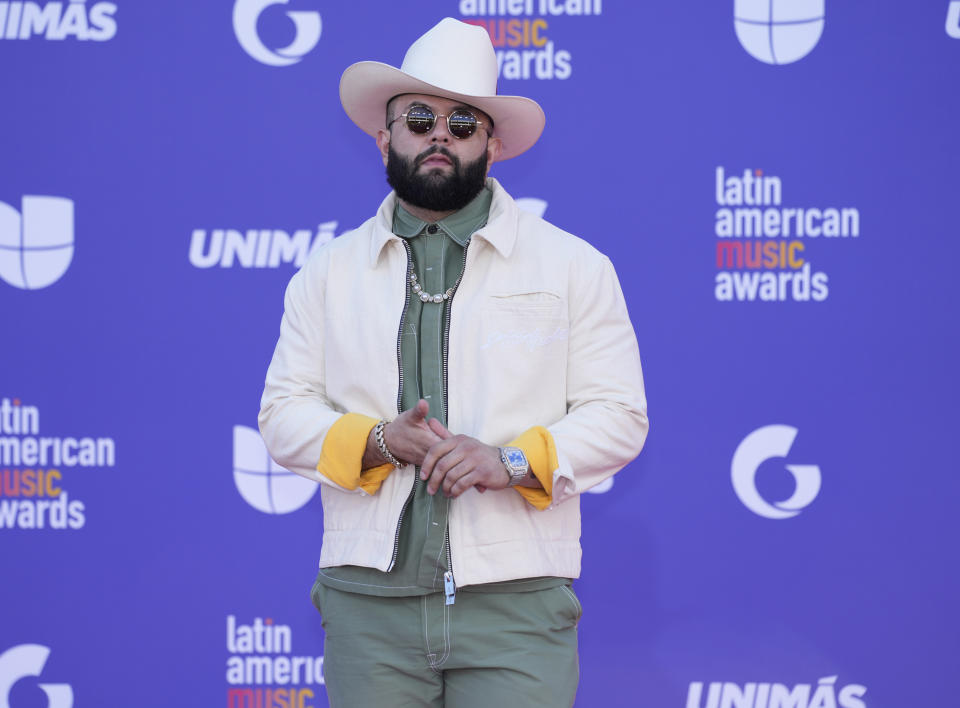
(420, 120)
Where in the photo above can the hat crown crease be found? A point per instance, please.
(456, 57)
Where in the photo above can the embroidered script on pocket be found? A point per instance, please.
(531, 339)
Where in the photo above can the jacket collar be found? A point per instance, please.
(500, 230)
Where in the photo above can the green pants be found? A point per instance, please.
(488, 649)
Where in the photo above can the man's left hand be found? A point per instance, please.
(459, 462)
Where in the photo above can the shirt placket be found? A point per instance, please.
(432, 560)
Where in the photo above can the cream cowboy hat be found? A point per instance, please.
(453, 60)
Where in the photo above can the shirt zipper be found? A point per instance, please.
(449, 585)
(416, 471)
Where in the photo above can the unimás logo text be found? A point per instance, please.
(823, 694)
(762, 246)
(28, 661)
(36, 243)
(256, 248)
(778, 31)
(32, 493)
(262, 669)
(76, 19)
(521, 33)
(307, 26)
(767, 443)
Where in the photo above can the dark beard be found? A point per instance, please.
(433, 190)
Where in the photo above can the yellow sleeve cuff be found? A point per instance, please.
(341, 457)
(537, 444)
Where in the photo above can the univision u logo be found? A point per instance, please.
(263, 484)
(778, 31)
(36, 243)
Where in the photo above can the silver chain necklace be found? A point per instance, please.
(424, 295)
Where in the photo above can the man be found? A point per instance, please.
(455, 372)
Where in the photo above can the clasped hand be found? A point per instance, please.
(453, 463)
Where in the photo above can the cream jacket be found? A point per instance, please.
(539, 335)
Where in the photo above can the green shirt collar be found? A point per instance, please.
(459, 226)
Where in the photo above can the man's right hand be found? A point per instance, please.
(408, 437)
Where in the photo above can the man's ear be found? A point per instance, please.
(494, 149)
(383, 142)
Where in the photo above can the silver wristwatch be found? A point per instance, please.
(516, 463)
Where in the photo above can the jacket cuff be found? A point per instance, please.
(537, 444)
(341, 457)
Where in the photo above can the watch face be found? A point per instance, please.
(516, 458)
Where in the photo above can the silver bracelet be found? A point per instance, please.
(382, 445)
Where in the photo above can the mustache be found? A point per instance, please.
(434, 150)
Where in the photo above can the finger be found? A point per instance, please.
(435, 452)
(437, 428)
(448, 470)
(420, 411)
(454, 476)
(464, 483)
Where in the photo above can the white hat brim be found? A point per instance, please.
(367, 86)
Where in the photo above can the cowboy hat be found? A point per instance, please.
(454, 60)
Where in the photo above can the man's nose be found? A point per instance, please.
(440, 133)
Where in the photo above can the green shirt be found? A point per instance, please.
(437, 255)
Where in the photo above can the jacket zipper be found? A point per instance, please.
(449, 585)
(416, 472)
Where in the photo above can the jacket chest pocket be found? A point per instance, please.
(523, 338)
